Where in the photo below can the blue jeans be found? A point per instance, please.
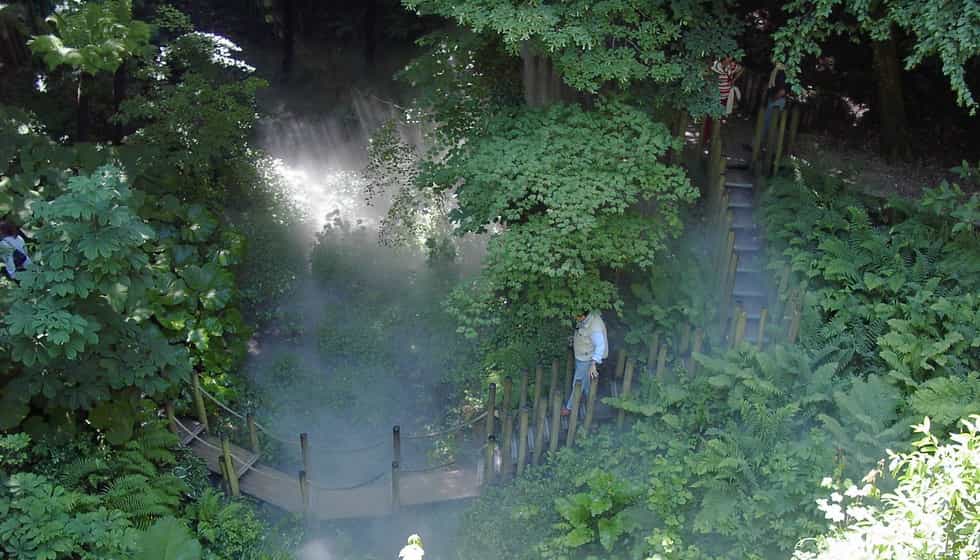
(776, 103)
(581, 374)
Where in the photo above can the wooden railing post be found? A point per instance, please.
(556, 398)
(620, 362)
(757, 138)
(553, 381)
(506, 460)
(740, 320)
(396, 460)
(762, 328)
(202, 413)
(794, 128)
(522, 439)
(491, 409)
(780, 142)
(684, 338)
(229, 465)
(540, 414)
(771, 135)
(538, 382)
(253, 434)
(569, 370)
(652, 353)
(692, 367)
(304, 492)
(573, 417)
(304, 447)
(171, 417)
(662, 362)
(488, 470)
(522, 396)
(627, 385)
(590, 405)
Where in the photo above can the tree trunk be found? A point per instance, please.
(83, 102)
(542, 83)
(891, 103)
(119, 81)
(288, 36)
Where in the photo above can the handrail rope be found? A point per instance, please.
(352, 487)
(449, 430)
(292, 441)
(272, 473)
(429, 469)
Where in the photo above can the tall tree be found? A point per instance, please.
(592, 44)
(92, 38)
(947, 29)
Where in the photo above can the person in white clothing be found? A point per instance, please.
(590, 345)
(14, 250)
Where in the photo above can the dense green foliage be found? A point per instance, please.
(623, 42)
(897, 300)
(946, 30)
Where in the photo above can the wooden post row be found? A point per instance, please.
(522, 439)
(573, 417)
(506, 461)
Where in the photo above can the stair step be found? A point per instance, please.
(747, 245)
(745, 293)
(738, 185)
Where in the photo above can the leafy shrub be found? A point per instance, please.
(933, 514)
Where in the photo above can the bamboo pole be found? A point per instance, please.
(229, 465)
(491, 409)
(171, 417)
(652, 353)
(555, 421)
(779, 142)
(522, 440)
(304, 492)
(540, 414)
(692, 368)
(740, 322)
(553, 382)
(569, 370)
(304, 446)
(202, 413)
(522, 395)
(794, 128)
(757, 138)
(396, 460)
(573, 417)
(762, 328)
(590, 405)
(685, 338)
(538, 381)
(661, 362)
(627, 385)
(488, 470)
(508, 427)
(620, 362)
(253, 434)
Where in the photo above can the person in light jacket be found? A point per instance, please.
(14, 250)
(591, 346)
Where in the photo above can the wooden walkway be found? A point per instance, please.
(370, 500)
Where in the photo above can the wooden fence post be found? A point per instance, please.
(202, 413)
(304, 492)
(627, 384)
(253, 434)
(652, 353)
(685, 338)
(794, 322)
(488, 470)
(569, 370)
(762, 328)
(538, 381)
(506, 461)
(771, 135)
(780, 141)
(540, 414)
(692, 367)
(573, 417)
(556, 398)
(396, 460)
(740, 322)
(757, 138)
(794, 128)
(590, 405)
(171, 417)
(522, 440)
(620, 362)
(491, 409)
(304, 447)
(662, 362)
(229, 465)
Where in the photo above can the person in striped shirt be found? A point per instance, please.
(727, 71)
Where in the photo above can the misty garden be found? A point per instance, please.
(489, 279)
